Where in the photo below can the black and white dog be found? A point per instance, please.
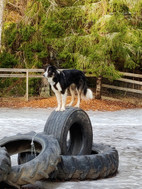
(61, 81)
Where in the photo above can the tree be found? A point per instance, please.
(99, 37)
(2, 3)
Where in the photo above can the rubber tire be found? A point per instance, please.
(5, 164)
(75, 121)
(102, 163)
(25, 157)
(39, 167)
(4, 185)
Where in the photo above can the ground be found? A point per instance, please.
(121, 129)
(106, 104)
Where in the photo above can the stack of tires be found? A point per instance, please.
(63, 151)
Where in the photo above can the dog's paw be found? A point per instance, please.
(57, 109)
(77, 106)
(70, 104)
(62, 109)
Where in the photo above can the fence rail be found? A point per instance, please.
(123, 88)
(126, 80)
(131, 74)
(20, 70)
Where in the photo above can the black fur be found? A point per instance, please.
(61, 81)
(68, 77)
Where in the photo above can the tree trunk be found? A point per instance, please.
(2, 2)
(98, 87)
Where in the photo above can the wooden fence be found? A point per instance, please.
(130, 79)
(22, 73)
(30, 73)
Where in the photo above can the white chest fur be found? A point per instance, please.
(59, 87)
(50, 80)
(52, 83)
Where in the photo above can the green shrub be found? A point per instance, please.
(7, 60)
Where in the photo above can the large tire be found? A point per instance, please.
(4, 185)
(5, 164)
(103, 162)
(74, 122)
(38, 168)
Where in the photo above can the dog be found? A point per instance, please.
(61, 81)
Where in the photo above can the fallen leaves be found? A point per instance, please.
(100, 105)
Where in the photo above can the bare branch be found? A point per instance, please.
(14, 7)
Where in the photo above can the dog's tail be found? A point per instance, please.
(87, 93)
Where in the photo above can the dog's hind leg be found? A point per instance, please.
(64, 97)
(79, 98)
(72, 92)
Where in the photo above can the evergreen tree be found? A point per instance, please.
(100, 37)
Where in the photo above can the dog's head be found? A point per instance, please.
(50, 71)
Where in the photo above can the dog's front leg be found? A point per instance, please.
(64, 97)
(58, 96)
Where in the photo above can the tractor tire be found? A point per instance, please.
(102, 163)
(5, 164)
(74, 124)
(40, 166)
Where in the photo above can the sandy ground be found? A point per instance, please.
(121, 129)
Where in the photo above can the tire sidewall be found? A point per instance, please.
(80, 118)
(40, 166)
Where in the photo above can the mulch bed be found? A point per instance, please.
(100, 105)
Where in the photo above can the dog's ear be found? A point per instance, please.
(54, 68)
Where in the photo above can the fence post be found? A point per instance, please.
(98, 88)
(27, 85)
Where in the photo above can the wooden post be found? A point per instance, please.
(27, 85)
(98, 88)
